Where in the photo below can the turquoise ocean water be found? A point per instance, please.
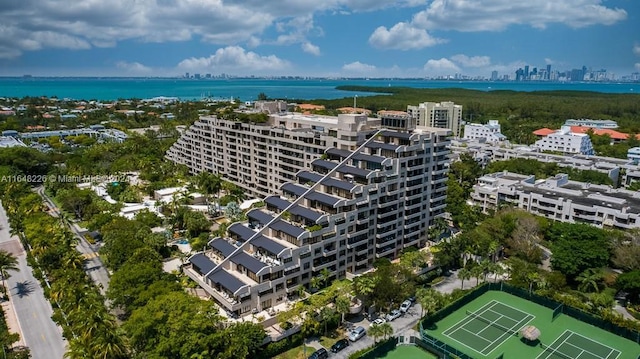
(248, 89)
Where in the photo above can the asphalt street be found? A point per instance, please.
(40, 333)
(93, 264)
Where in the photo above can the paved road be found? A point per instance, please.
(404, 324)
(33, 311)
(93, 264)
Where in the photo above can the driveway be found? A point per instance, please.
(403, 324)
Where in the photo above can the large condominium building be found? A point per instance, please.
(260, 157)
(566, 141)
(560, 199)
(437, 114)
(372, 193)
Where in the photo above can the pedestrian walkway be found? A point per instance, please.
(12, 321)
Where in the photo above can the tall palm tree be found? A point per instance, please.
(343, 303)
(386, 330)
(376, 332)
(8, 262)
(464, 274)
(428, 300)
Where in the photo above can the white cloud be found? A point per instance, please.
(359, 67)
(402, 36)
(442, 66)
(637, 66)
(234, 58)
(473, 61)
(497, 15)
(133, 67)
(548, 61)
(636, 49)
(310, 48)
(253, 42)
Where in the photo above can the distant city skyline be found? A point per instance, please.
(333, 38)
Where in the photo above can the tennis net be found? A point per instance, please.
(492, 323)
(554, 352)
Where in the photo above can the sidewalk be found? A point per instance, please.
(12, 320)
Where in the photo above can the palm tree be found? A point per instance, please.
(436, 230)
(8, 262)
(325, 315)
(324, 276)
(464, 274)
(428, 300)
(386, 329)
(343, 303)
(590, 280)
(376, 332)
(315, 282)
(477, 272)
(532, 278)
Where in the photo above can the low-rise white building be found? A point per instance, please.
(585, 122)
(566, 141)
(633, 155)
(559, 199)
(489, 132)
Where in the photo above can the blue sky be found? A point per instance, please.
(375, 38)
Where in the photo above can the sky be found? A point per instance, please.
(352, 38)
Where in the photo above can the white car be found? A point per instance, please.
(395, 314)
(404, 307)
(377, 322)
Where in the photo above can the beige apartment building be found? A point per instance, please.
(438, 114)
(361, 189)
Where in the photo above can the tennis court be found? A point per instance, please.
(488, 327)
(570, 345)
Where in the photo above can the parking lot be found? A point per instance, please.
(405, 322)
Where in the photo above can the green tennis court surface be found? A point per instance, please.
(408, 352)
(488, 327)
(571, 345)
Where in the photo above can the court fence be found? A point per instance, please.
(430, 320)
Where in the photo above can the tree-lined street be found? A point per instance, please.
(32, 309)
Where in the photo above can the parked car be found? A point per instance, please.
(404, 307)
(339, 345)
(395, 314)
(357, 333)
(412, 299)
(321, 353)
(378, 322)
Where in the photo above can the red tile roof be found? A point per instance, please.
(615, 135)
(543, 132)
